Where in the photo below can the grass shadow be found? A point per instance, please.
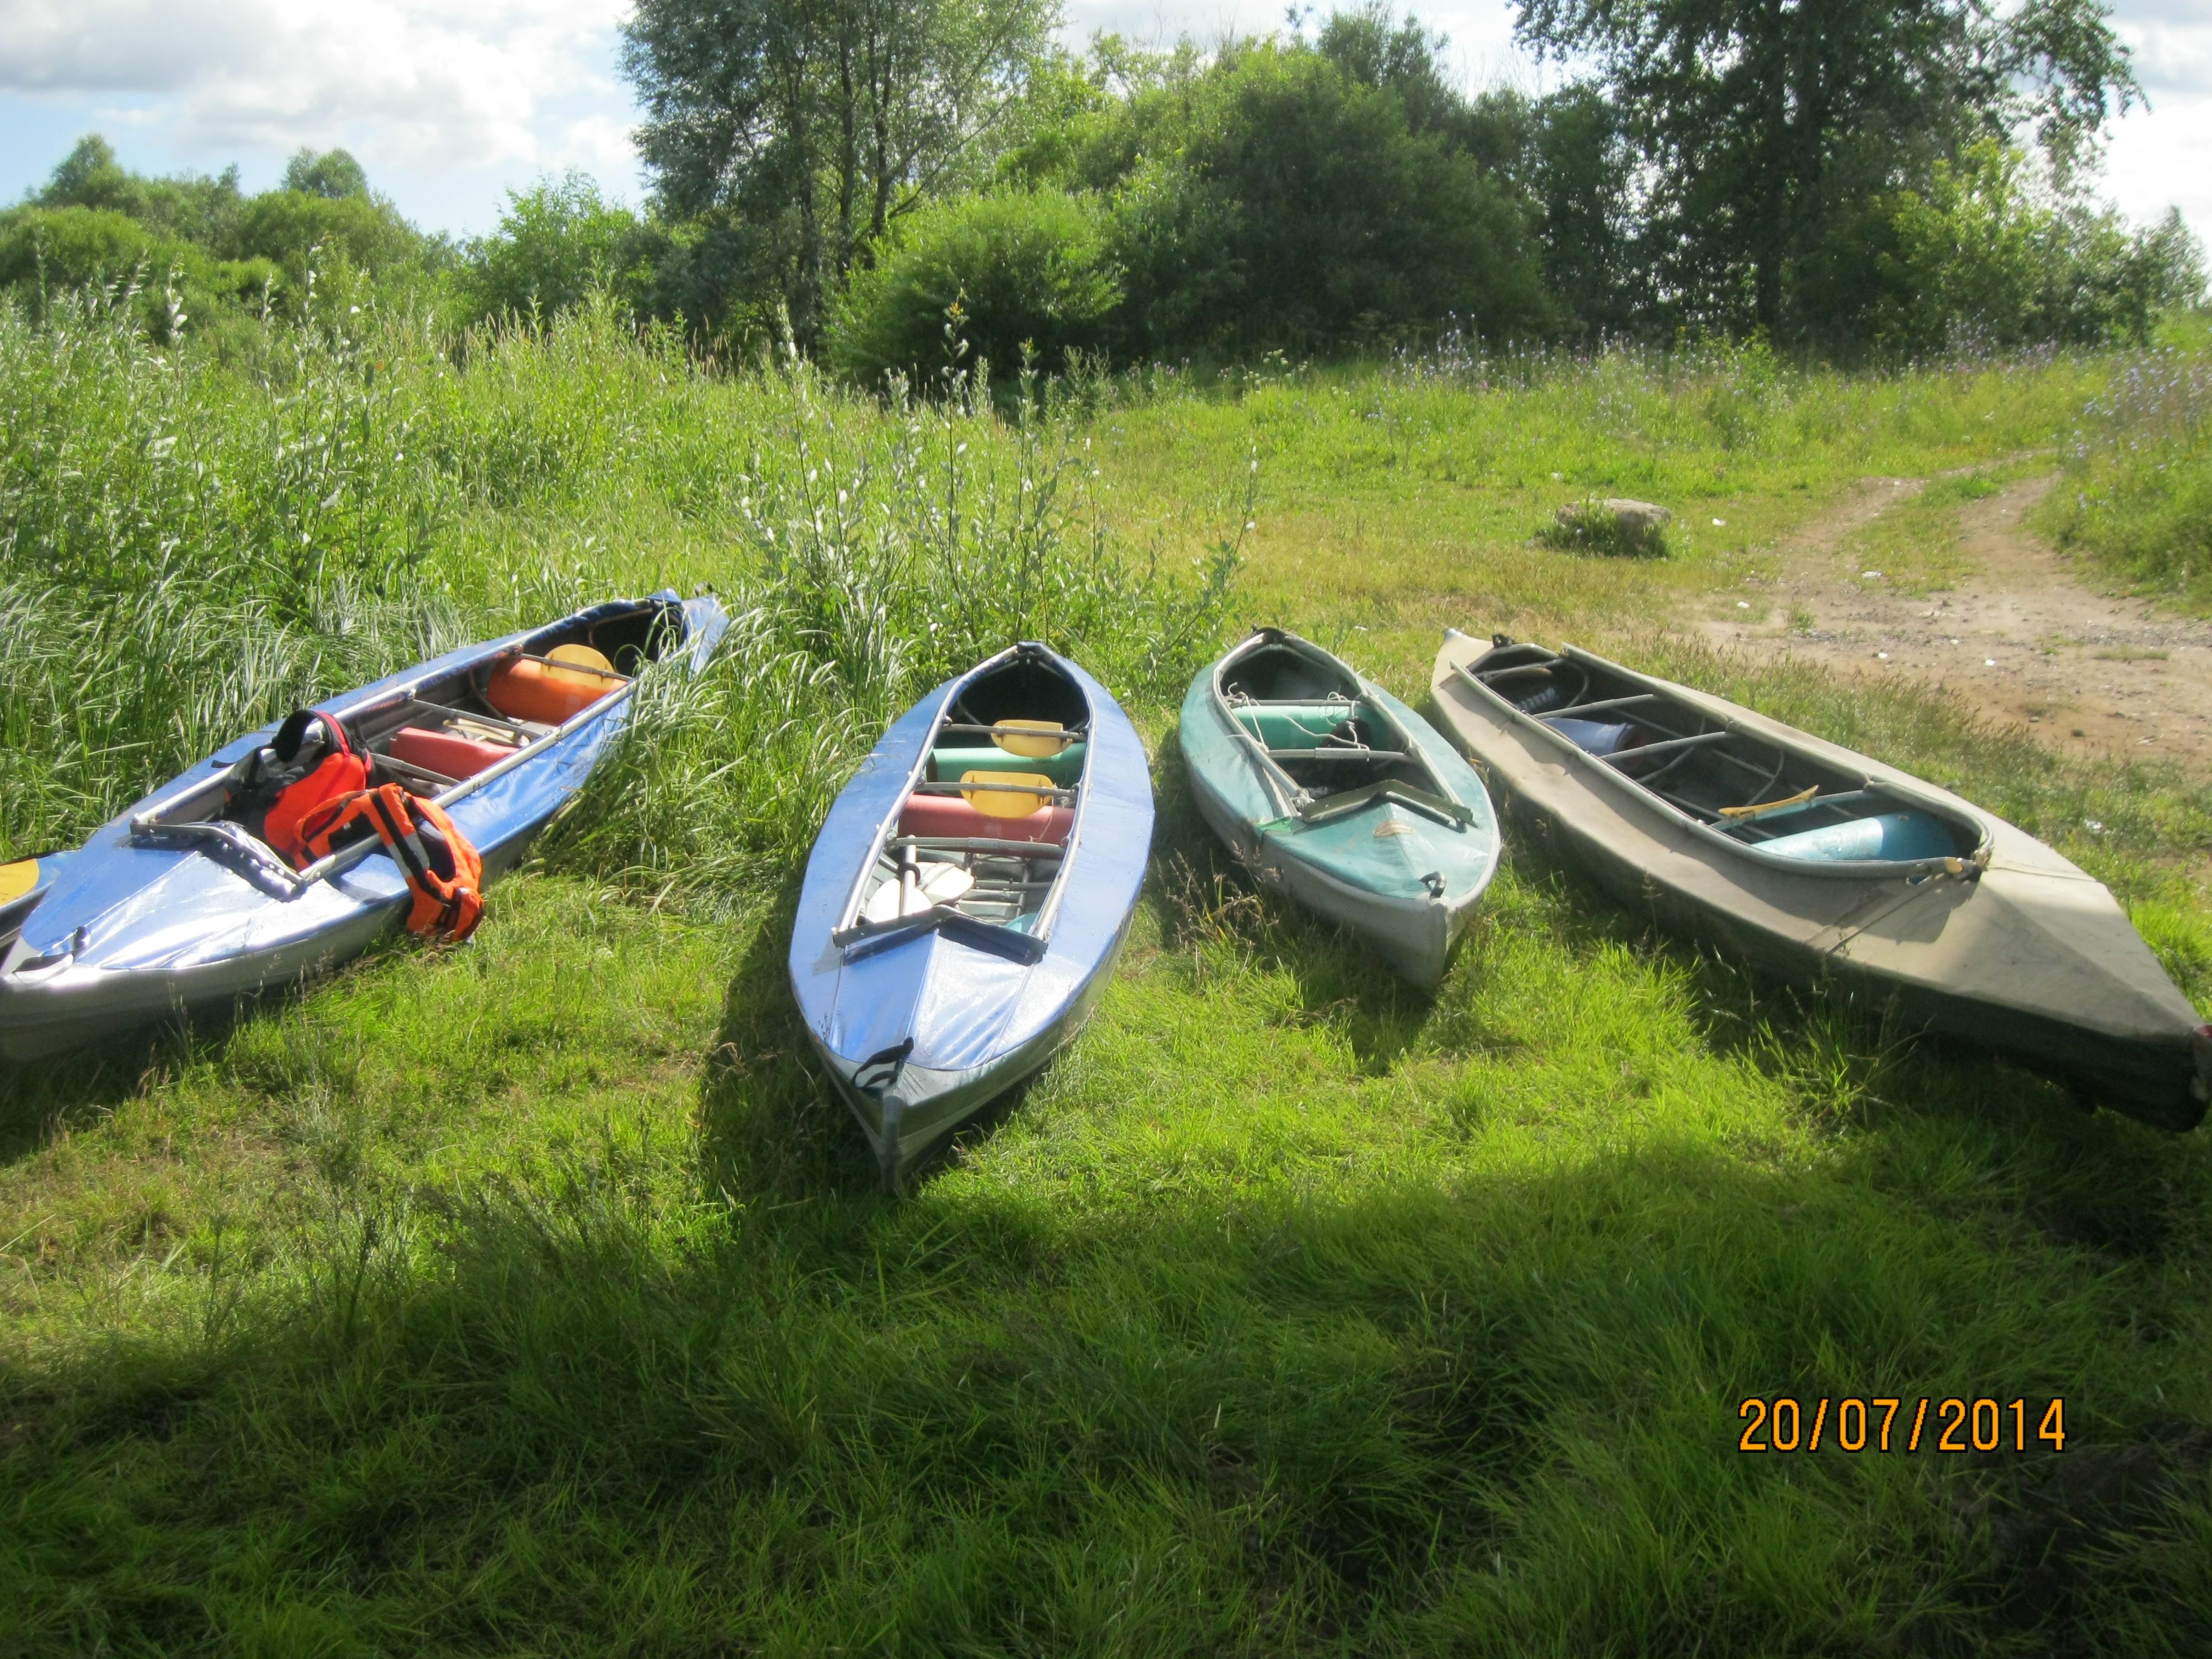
(1260, 1422)
(1207, 905)
(1933, 1103)
(770, 1127)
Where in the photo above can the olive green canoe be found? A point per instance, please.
(1327, 787)
(1827, 867)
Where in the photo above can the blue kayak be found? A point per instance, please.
(968, 895)
(179, 904)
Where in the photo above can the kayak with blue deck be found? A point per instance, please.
(968, 894)
(182, 903)
(1829, 868)
(1327, 787)
(24, 885)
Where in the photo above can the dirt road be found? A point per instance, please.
(2020, 638)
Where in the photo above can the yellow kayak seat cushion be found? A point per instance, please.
(1013, 736)
(1017, 803)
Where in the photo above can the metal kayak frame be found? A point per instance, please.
(217, 835)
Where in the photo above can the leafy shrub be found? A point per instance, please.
(287, 226)
(1973, 258)
(194, 208)
(557, 243)
(45, 252)
(1279, 198)
(1027, 271)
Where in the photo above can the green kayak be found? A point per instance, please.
(1327, 787)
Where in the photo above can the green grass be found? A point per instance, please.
(534, 1295)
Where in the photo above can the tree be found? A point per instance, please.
(197, 208)
(1401, 58)
(1763, 124)
(333, 173)
(1283, 195)
(832, 117)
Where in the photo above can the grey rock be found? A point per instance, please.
(1617, 521)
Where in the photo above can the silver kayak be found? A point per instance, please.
(177, 905)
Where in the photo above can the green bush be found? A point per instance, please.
(194, 247)
(288, 226)
(193, 207)
(47, 252)
(1012, 273)
(557, 243)
(1975, 258)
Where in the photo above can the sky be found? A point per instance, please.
(448, 107)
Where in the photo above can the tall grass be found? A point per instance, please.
(2138, 493)
(192, 548)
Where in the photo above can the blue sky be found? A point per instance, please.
(449, 107)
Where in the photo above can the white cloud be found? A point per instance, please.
(418, 88)
(2161, 157)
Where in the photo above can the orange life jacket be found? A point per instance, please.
(341, 772)
(443, 870)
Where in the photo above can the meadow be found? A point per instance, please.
(535, 1296)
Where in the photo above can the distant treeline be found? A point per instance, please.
(199, 248)
(899, 185)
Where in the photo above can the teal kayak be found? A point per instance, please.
(1328, 788)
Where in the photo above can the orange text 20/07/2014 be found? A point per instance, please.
(1887, 1423)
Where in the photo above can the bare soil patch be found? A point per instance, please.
(2020, 639)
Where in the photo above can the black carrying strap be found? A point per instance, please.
(880, 1070)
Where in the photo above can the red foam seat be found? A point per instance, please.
(949, 815)
(447, 753)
